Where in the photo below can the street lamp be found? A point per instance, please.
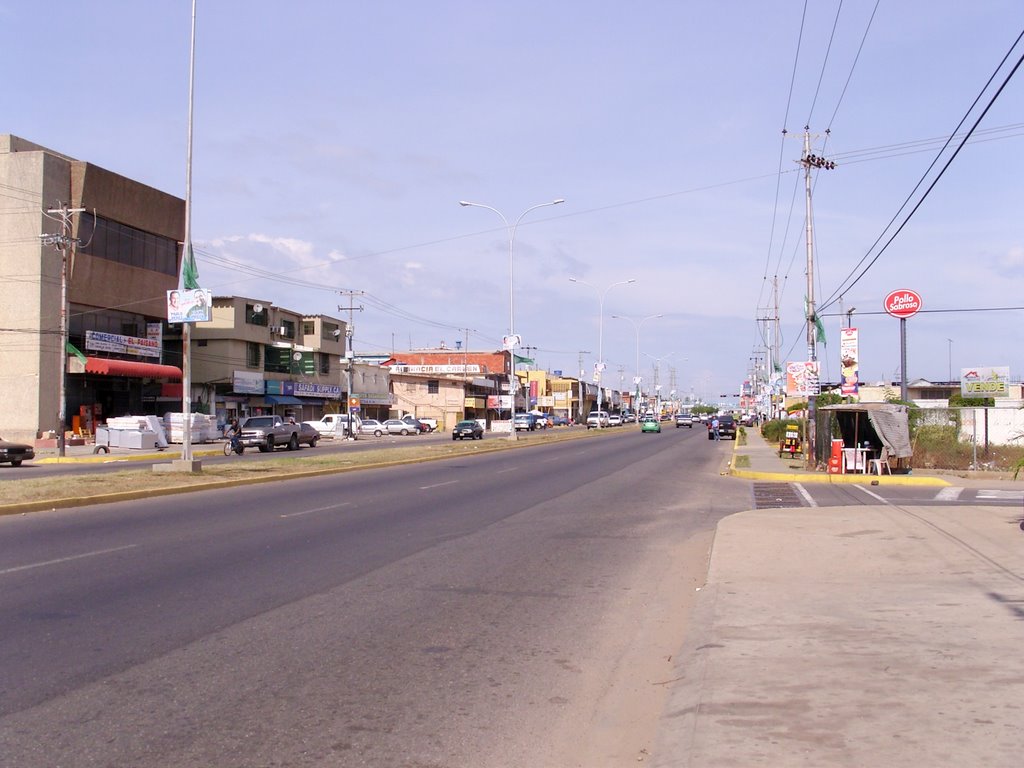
(511, 339)
(636, 327)
(657, 376)
(600, 331)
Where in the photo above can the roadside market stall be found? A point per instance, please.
(869, 431)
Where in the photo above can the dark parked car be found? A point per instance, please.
(470, 429)
(726, 427)
(15, 453)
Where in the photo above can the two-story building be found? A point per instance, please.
(86, 259)
(254, 357)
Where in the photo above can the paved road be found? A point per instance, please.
(488, 610)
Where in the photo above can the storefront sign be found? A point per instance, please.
(330, 391)
(460, 369)
(125, 345)
(985, 382)
(802, 379)
(377, 399)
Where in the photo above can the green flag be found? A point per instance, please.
(820, 326)
(189, 271)
(527, 360)
(73, 350)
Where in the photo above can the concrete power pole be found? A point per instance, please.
(350, 353)
(63, 243)
(583, 416)
(809, 161)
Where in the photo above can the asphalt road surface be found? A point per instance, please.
(518, 608)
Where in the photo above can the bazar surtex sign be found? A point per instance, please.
(903, 303)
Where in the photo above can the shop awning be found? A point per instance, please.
(281, 400)
(111, 367)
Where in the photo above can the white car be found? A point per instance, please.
(615, 420)
(372, 427)
(597, 419)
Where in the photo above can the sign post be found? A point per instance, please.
(903, 303)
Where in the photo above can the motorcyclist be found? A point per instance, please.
(234, 431)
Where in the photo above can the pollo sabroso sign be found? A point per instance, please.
(903, 303)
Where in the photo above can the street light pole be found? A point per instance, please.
(512, 382)
(600, 332)
(636, 327)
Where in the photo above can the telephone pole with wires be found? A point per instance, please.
(811, 370)
(63, 242)
(350, 355)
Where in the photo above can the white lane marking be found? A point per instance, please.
(503, 471)
(807, 497)
(949, 494)
(318, 509)
(437, 485)
(1012, 495)
(65, 559)
(871, 493)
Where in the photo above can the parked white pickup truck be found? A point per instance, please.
(336, 425)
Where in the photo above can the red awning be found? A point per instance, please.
(109, 367)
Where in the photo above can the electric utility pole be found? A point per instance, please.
(349, 352)
(809, 161)
(582, 352)
(63, 243)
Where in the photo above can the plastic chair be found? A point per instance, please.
(875, 465)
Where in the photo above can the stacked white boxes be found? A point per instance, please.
(204, 427)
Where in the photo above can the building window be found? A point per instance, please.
(308, 327)
(252, 317)
(327, 332)
(110, 240)
(252, 354)
(325, 363)
(288, 329)
(433, 386)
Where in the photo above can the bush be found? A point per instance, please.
(773, 431)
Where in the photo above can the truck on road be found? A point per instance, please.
(336, 425)
(269, 432)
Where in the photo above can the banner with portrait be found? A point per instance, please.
(189, 306)
(849, 362)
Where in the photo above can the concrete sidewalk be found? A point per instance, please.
(853, 636)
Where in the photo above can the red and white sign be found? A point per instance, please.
(903, 303)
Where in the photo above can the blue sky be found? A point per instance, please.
(333, 141)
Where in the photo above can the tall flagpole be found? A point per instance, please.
(186, 328)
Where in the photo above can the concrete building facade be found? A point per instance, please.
(114, 259)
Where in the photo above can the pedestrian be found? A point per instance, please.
(714, 428)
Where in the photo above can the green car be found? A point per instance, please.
(650, 425)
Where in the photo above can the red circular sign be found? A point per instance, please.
(903, 303)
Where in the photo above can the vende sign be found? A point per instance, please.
(903, 303)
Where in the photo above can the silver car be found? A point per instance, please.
(372, 427)
(399, 427)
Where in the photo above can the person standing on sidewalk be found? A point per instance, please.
(714, 428)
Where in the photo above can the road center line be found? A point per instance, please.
(437, 485)
(65, 559)
(318, 509)
(503, 471)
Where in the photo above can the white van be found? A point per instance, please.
(597, 419)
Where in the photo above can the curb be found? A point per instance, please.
(793, 477)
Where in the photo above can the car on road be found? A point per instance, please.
(468, 428)
(559, 421)
(650, 424)
(400, 427)
(270, 432)
(726, 427)
(684, 420)
(597, 419)
(615, 420)
(15, 453)
(372, 427)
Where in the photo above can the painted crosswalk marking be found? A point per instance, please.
(1002, 495)
(949, 494)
